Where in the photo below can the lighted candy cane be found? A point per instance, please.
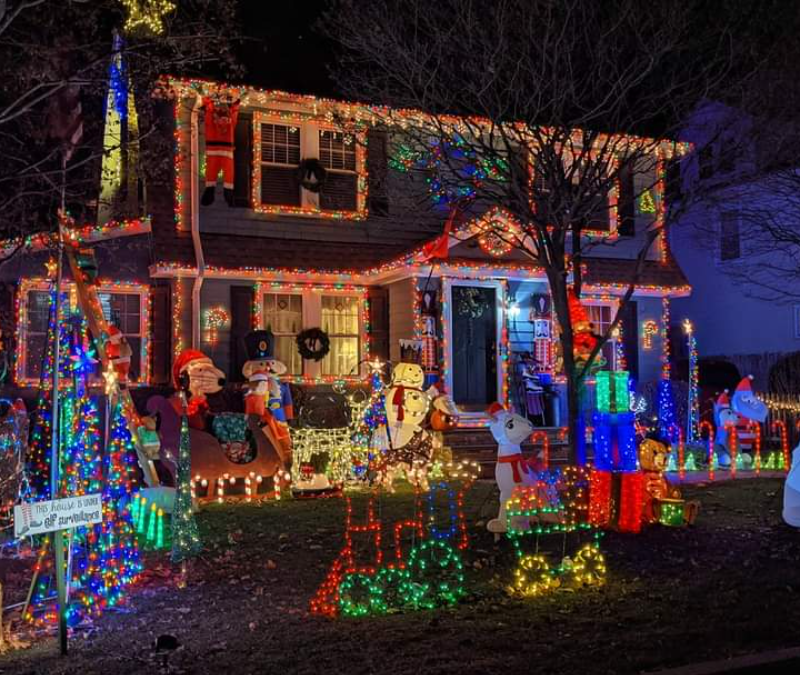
(733, 442)
(705, 424)
(536, 435)
(780, 424)
(752, 425)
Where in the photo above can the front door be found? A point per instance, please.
(474, 331)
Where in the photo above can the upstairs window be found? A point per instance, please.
(280, 161)
(730, 245)
(337, 154)
(600, 317)
(280, 150)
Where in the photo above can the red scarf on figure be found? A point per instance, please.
(517, 462)
(398, 400)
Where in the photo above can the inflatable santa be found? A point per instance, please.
(220, 128)
(195, 374)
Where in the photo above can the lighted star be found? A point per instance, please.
(146, 15)
(110, 376)
(52, 268)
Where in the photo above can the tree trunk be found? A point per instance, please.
(575, 427)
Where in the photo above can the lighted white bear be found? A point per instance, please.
(511, 470)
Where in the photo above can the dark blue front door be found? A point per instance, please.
(474, 330)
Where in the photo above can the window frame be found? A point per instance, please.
(296, 293)
(356, 335)
(613, 308)
(309, 148)
(312, 318)
(103, 286)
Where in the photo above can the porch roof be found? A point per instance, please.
(265, 257)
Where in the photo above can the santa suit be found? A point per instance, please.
(220, 127)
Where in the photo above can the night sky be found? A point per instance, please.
(283, 50)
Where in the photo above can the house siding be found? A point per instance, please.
(401, 315)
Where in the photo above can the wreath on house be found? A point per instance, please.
(312, 174)
(313, 344)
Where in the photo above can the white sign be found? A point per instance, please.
(59, 514)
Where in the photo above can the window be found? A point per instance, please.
(340, 321)
(600, 318)
(280, 148)
(729, 239)
(126, 309)
(337, 153)
(340, 315)
(38, 316)
(283, 314)
(280, 158)
(706, 161)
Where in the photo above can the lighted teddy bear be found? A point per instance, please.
(511, 470)
(663, 502)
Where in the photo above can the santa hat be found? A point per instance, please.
(494, 410)
(114, 334)
(723, 400)
(186, 357)
(744, 386)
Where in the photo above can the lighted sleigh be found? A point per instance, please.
(220, 467)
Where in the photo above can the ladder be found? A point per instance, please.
(93, 311)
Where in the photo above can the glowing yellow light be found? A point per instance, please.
(146, 15)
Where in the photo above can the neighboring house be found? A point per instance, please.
(348, 260)
(741, 309)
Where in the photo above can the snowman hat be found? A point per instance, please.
(744, 385)
(723, 400)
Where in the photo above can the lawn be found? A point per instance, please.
(729, 585)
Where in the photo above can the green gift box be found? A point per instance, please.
(612, 391)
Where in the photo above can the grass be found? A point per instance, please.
(727, 586)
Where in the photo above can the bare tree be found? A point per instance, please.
(541, 106)
(55, 57)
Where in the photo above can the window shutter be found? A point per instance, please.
(599, 220)
(241, 325)
(626, 205)
(673, 181)
(379, 323)
(378, 172)
(243, 161)
(160, 330)
(339, 193)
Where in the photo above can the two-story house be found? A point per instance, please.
(730, 242)
(348, 259)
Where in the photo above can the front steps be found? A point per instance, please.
(478, 445)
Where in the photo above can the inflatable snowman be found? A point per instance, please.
(511, 470)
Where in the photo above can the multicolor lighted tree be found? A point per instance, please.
(104, 558)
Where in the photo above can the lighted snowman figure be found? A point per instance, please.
(511, 470)
(410, 446)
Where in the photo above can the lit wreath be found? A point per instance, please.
(312, 174)
(313, 344)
